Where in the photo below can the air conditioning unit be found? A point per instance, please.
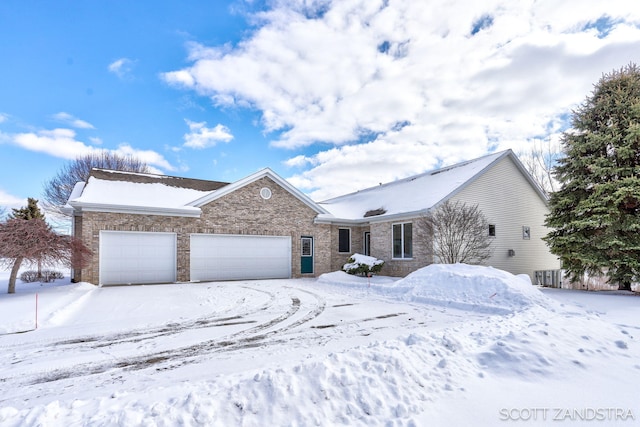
(549, 278)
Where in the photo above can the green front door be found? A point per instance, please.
(306, 255)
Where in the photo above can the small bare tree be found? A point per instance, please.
(58, 189)
(460, 233)
(33, 241)
(540, 161)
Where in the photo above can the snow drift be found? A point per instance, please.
(471, 287)
(461, 286)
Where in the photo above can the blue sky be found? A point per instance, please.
(334, 96)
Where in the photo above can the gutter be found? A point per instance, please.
(191, 212)
(372, 219)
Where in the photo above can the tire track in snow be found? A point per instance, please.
(175, 327)
(251, 337)
(137, 335)
(105, 341)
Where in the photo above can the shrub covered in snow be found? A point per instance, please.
(44, 276)
(363, 265)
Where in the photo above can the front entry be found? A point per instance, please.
(306, 255)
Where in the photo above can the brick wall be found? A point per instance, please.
(382, 247)
(338, 259)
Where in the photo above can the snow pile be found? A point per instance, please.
(383, 384)
(477, 288)
(460, 286)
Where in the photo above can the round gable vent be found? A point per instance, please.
(265, 193)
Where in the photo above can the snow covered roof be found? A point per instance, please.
(408, 196)
(113, 191)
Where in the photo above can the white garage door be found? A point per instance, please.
(137, 257)
(233, 257)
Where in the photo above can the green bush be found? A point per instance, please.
(363, 265)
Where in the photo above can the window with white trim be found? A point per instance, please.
(403, 240)
(307, 246)
(344, 240)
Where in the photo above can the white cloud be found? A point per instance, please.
(8, 201)
(72, 121)
(354, 167)
(121, 67)
(150, 157)
(378, 79)
(200, 136)
(3, 117)
(57, 142)
(62, 143)
(298, 161)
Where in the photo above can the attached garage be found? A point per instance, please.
(128, 257)
(236, 257)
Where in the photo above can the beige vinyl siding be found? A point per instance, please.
(507, 199)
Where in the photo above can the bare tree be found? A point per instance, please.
(58, 189)
(460, 233)
(540, 161)
(33, 241)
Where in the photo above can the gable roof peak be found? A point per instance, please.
(413, 194)
(265, 172)
(497, 155)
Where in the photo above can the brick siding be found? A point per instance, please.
(381, 248)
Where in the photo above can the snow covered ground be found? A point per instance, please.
(446, 346)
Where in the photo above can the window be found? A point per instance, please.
(344, 240)
(367, 243)
(492, 230)
(307, 246)
(265, 193)
(526, 232)
(403, 240)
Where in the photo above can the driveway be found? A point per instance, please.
(113, 333)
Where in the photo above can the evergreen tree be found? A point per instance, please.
(31, 211)
(595, 216)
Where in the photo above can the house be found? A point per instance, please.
(146, 228)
